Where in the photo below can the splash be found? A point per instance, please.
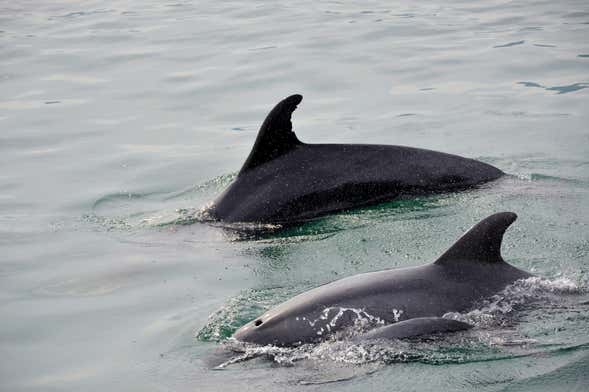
(241, 310)
(490, 339)
(330, 317)
(336, 348)
(495, 310)
(347, 352)
(129, 211)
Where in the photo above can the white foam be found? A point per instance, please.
(518, 293)
(341, 349)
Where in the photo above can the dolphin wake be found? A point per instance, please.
(495, 335)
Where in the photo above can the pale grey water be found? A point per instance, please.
(120, 119)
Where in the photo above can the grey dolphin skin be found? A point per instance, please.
(286, 181)
(403, 302)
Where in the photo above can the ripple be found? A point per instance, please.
(78, 14)
(25, 105)
(571, 376)
(559, 89)
(493, 338)
(492, 311)
(507, 45)
(239, 311)
(78, 78)
(97, 284)
(130, 211)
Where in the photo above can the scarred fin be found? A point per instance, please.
(275, 136)
(480, 244)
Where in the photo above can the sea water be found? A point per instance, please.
(121, 120)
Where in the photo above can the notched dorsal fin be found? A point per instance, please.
(482, 243)
(275, 136)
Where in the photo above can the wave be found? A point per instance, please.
(525, 291)
(494, 337)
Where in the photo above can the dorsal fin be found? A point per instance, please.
(480, 244)
(275, 136)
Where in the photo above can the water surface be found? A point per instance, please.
(121, 119)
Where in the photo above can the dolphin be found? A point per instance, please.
(401, 302)
(285, 181)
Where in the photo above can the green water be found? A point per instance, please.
(121, 120)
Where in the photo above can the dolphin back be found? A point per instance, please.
(412, 298)
(285, 181)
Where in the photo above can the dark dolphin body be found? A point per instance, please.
(404, 302)
(286, 181)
